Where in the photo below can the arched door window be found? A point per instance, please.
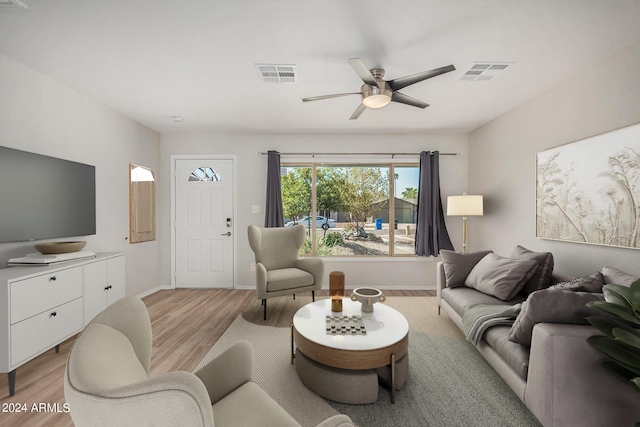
(204, 173)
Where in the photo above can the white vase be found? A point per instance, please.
(367, 297)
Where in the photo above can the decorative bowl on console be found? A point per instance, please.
(367, 297)
(52, 248)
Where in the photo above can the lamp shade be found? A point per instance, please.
(465, 205)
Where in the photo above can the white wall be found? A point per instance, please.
(601, 98)
(252, 170)
(42, 116)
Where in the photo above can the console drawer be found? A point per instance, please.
(37, 294)
(37, 333)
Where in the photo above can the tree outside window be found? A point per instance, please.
(352, 208)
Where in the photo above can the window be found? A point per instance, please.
(405, 208)
(348, 209)
(204, 173)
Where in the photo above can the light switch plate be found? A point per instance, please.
(255, 209)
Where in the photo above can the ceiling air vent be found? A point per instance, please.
(12, 4)
(484, 71)
(270, 73)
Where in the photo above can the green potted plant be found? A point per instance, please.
(621, 341)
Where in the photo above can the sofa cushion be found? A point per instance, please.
(551, 306)
(499, 276)
(614, 276)
(515, 355)
(457, 266)
(592, 283)
(542, 275)
(460, 299)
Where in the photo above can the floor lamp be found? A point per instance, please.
(464, 206)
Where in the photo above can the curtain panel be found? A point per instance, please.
(274, 216)
(431, 231)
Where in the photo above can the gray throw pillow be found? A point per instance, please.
(542, 276)
(617, 277)
(593, 284)
(501, 277)
(457, 266)
(551, 306)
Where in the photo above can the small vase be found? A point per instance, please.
(367, 297)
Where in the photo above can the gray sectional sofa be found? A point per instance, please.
(559, 377)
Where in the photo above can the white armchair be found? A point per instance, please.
(279, 270)
(107, 381)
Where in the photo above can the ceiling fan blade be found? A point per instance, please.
(358, 111)
(362, 71)
(406, 99)
(399, 83)
(335, 95)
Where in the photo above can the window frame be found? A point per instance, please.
(391, 197)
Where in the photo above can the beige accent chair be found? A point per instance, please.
(107, 383)
(279, 270)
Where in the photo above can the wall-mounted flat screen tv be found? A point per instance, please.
(44, 197)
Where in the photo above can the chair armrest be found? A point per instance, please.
(567, 384)
(337, 421)
(228, 371)
(440, 281)
(314, 266)
(261, 280)
(153, 401)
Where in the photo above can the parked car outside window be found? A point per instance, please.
(321, 222)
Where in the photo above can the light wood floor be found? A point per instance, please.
(186, 323)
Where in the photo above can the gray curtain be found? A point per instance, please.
(431, 231)
(273, 216)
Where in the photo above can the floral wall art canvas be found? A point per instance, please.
(589, 191)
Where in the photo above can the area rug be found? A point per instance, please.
(280, 310)
(449, 383)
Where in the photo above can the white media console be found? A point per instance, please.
(42, 306)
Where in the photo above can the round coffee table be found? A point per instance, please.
(386, 340)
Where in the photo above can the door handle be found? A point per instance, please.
(228, 233)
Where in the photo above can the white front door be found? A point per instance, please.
(204, 223)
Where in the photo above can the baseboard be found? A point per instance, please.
(405, 288)
(383, 287)
(149, 292)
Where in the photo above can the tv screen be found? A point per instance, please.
(44, 197)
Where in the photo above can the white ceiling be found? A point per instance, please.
(155, 59)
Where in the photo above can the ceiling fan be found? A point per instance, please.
(377, 92)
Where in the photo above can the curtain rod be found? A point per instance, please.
(356, 154)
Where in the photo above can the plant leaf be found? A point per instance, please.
(617, 294)
(606, 325)
(623, 312)
(634, 294)
(636, 381)
(631, 338)
(618, 371)
(635, 371)
(616, 351)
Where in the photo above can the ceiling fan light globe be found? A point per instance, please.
(376, 101)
